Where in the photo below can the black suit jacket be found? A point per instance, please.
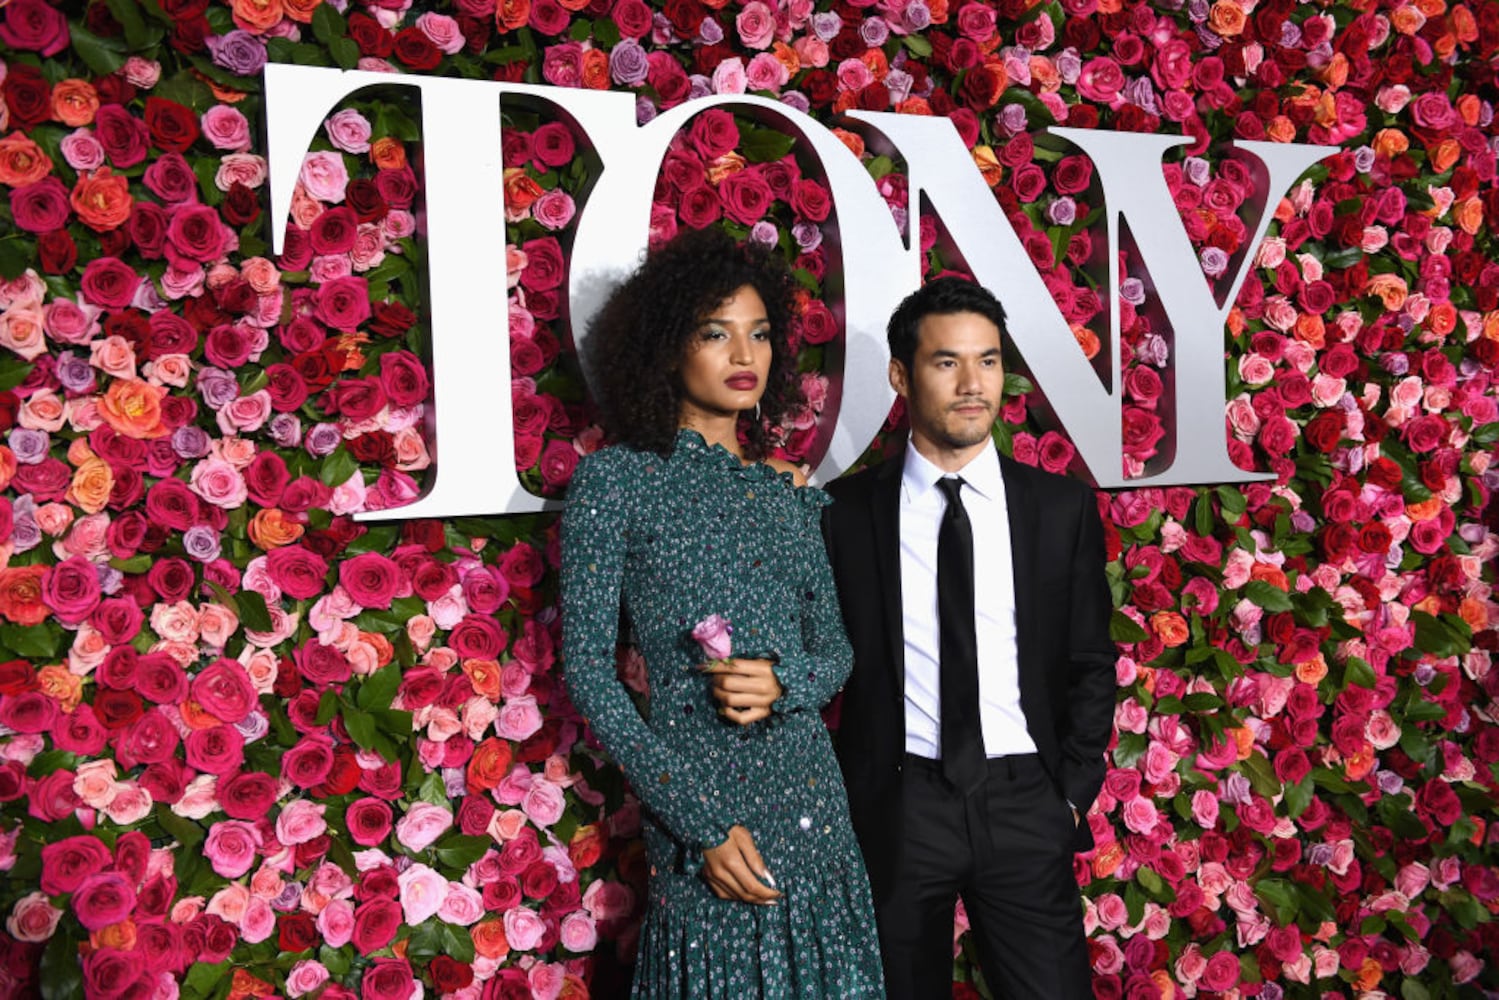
(1062, 607)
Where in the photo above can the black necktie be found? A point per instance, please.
(962, 735)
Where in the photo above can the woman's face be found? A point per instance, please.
(727, 359)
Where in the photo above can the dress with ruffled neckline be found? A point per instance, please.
(674, 540)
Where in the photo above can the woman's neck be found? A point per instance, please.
(715, 430)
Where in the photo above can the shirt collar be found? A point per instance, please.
(982, 474)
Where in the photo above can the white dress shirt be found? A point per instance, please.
(921, 510)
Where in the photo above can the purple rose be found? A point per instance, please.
(239, 52)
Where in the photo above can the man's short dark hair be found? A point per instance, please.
(938, 297)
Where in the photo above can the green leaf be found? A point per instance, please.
(396, 722)
(1122, 628)
(917, 46)
(345, 51)
(328, 24)
(763, 145)
(1267, 596)
(1202, 701)
(1412, 989)
(203, 979)
(1231, 500)
(1261, 774)
(1018, 385)
(1149, 879)
(62, 970)
(361, 727)
(32, 642)
(1357, 671)
(338, 467)
(253, 612)
(1280, 899)
(16, 255)
(327, 708)
(13, 370)
(1299, 796)
(458, 946)
(379, 688)
(186, 832)
(1433, 636)
(459, 850)
(1130, 749)
(139, 36)
(102, 55)
(335, 960)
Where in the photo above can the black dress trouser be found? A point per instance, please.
(1007, 851)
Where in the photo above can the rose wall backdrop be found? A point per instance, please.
(249, 747)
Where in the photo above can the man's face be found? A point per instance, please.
(955, 382)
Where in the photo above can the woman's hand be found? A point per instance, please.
(745, 689)
(734, 870)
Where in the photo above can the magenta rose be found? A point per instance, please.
(71, 590)
(67, 863)
(386, 978)
(231, 847)
(371, 579)
(224, 690)
(700, 206)
(160, 679)
(321, 664)
(713, 133)
(170, 177)
(343, 303)
(248, 795)
(478, 637)
(1222, 972)
(403, 378)
(746, 196)
(34, 26)
(298, 571)
(102, 899)
(714, 635)
(28, 712)
(375, 924)
(41, 207)
(544, 264)
(368, 821)
(558, 459)
(216, 750)
(309, 762)
(109, 282)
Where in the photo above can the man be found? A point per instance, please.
(974, 723)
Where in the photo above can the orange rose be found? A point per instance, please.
(1335, 73)
(1444, 155)
(914, 106)
(489, 764)
(7, 466)
(91, 485)
(1170, 627)
(75, 102)
(938, 10)
(1432, 8)
(595, 69)
(854, 143)
(1311, 330)
(1442, 319)
(300, 10)
(21, 595)
(1390, 288)
(22, 161)
(1226, 18)
(195, 716)
(1425, 510)
(1469, 214)
(1312, 671)
(1107, 859)
(387, 153)
(384, 651)
(512, 14)
(1390, 142)
(62, 685)
(244, 984)
(846, 100)
(1086, 339)
(484, 675)
(1464, 26)
(520, 191)
(728, 163)
(1281, 129)
(121, 935)
(786, 56)
(877, 63)
(586, 846)
(1407, 20)
(489, 939)
(271, 528)
(1271, 575)
(102, 200)
(988, 164)
(134, 409)
(257, 16)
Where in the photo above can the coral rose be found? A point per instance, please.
(102, 200)
(133, 409)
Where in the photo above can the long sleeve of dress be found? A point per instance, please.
(810, 676)
(594, 540)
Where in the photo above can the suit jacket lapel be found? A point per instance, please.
(885, 511)
(1025, 557)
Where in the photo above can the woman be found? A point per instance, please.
(757, 886)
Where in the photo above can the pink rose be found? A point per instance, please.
(578, 933)
(307, 975)
(231, 847)
(349, 130)
(220, 483)
(300, 821)
(1205, 808)
(67, 863)
(756, 25)
(33, 918)
(605, 900)
(1222, 972)
(524, 928)
(308, 762)
(462, 906)
(324, 176)
(543, 802)
(714, 634)
(422, 824)
(422, 893)
(336, 923)
(297, 571)
(519, 718)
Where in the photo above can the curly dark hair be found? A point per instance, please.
(940, 297)
(637, 341)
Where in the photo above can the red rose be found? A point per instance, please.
(558, 460)
(375, 924)
(552, 145)
(266, 478)
(700, 206)
(372, 39)
(41, 207)
(450, 975)
(173, 127)
(391, 319)
(27, 95)
(416, 50)
(197, 234)
(1325, 430)
(110, 972)
(386, 978)
(322, 664)
(334, 231)
(296, 932)
(56, 250)
(632, 17)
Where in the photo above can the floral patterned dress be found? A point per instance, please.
(677, 539)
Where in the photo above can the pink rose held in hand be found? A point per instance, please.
(715, 635)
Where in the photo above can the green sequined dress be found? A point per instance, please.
(677, 539)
